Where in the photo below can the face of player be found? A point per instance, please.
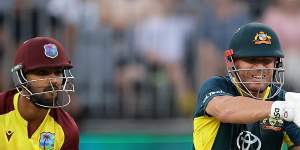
(261, 73)
(47, 79)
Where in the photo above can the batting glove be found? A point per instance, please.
(288, 110)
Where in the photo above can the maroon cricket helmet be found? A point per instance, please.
(41, 52)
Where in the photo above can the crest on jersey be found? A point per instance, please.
(262, 38)
(47, 140)
(50, 50)
(272, 124)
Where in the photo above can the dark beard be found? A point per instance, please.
(38, 100)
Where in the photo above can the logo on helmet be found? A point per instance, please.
(50, 50)
(262, 38)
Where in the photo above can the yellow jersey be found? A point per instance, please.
(58, 130)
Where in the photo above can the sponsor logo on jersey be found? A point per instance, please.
(246, 139)
(212, 93)
(47, 140)
(50, 50)
(9, 134)
(262, 38)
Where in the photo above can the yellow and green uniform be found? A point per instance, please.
(209, 133)
(58, 131)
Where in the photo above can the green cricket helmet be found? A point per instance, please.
(255, 40)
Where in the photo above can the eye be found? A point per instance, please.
(265, 61)
(250, 60)
(253, 60)
(46, 72)
(268, 61)
(42, 72)
(58, 72)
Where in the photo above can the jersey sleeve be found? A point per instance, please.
(70, 129)
(215, 86)
(205, 127)
(71, 136)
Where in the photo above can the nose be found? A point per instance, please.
(54, 79)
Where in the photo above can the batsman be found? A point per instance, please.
(247, 109)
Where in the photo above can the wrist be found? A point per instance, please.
(282, 110)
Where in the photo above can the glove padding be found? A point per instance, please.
(289, 109)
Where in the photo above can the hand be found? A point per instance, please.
(289, 109)
(293, 101)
